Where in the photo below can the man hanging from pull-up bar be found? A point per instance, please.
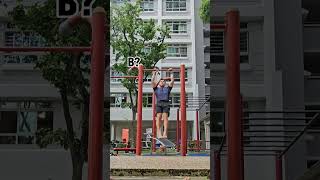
(162, 93)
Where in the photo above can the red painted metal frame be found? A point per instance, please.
(123, 77)
(183, 111)
(45, 49)
(197, 130)
(233, 94)
(178, 131)
(218, 26)
(154, 128)
(95, 148)
(139, 110)
(278, 167)
(173, 69)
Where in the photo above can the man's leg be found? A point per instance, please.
(158, 123)
(165, 124)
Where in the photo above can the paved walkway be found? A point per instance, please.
(160, 162)
(158, 178)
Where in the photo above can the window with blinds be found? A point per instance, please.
(217, 45)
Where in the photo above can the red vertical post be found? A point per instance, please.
(233, 94)
(278, 167)
(95, 148)
(197, 130)
(154, 129)
(139, 110)
(217, 166)
(183, 111)
(178, 131)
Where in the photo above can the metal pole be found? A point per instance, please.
(178, 132)
(154, 129)
(197, 126)
(95, 148)
(217, 26)
(183, 111)
(278, 167)
(139, 110)
(217, 165)
(233, 94)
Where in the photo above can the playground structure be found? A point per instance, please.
(195, 104)
(98, 62)
(140, 78)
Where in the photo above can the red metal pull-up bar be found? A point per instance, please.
(173, 70)
(218, 26)
(123, 77)
(139, 112)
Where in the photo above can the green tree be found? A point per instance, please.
(131, 37)
(69, 73)
(205, 11)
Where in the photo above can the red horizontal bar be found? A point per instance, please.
(45, 49)
(119, 77)
(173, 69)
(198, 149)
(218, 26)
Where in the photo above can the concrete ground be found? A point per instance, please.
(160, 167)
(159, 162)
(157, 178)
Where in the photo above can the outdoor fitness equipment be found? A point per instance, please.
(183, 114)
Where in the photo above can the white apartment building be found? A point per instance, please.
(181, 17)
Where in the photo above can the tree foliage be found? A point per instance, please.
(205, 11)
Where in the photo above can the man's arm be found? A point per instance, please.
(171, 77)
(153, 79)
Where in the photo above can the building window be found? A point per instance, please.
(176, 76)
(217, 42)
(207, 65)
(311, 163)
(176, 5)
(19, 121)
(115, 73)
(147, 5)
(146, 50)
(119, 2)
(26, 39)
(118, 100)
(9, 59)
(311, 63)
(177, 27)
(177, 50)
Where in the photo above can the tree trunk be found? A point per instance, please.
(133, 127)
(77, 166)
(134, 112)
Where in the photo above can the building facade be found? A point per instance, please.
(278, 52)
